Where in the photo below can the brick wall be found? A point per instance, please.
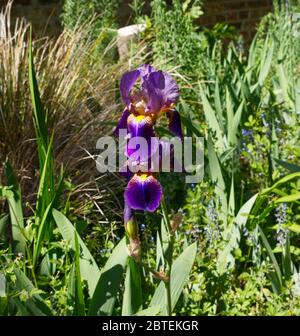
(44, 14)
(243, 14)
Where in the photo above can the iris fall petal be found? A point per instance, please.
(175, 123)
(122, 124)
(143, 192)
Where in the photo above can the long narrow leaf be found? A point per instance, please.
(179, 275)
(277, 280)
(132, 298)
(212, 122)
(89, 269)
(108, 286)
(15, 209)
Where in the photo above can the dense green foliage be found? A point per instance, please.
(237, 248)
(77, 12)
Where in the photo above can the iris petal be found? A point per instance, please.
(140, 126)
(143, 192)
(122, 124)
(145, 69)
(175, 123)
(127, 82)
(153, 86)
(129, 79)
(171, 91)
(161, 90)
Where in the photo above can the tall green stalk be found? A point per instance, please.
(168, 257)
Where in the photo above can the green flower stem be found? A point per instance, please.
(168, 257)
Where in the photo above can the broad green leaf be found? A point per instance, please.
(212, 122)
(89, 269)
(284, 180)
(293, 250)
(218, 105)
(151, 311)
(164, 236)
(39, 114)
(46, 266)
(3, 223)
(289, 166)
(217, 178)
(79, 299)
(45, 153)
(41, 234)
(15, 209)
(287, 261)
(230, 115)
(108, 286)
(71, 292)
(43, 191)
(133, 297)
(288, 198)
(276, 279)
(179, 275)
(266, 60)
(236, 121)
(159, 251)
(231, 203)
(225, 259)
(284, 84)
(232, 235)
(293, 227)
(244, 212)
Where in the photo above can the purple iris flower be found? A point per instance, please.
(148, 94)
(147, 91)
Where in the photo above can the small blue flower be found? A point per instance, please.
(281, 232)
(246, 132)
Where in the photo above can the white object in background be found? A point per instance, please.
(127, 34)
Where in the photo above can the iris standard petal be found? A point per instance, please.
(145, 69)
(175, 123)
(127, 82)
(171, 90)
(153, 86)
(161, 90)
(143, 192)
(122, 124)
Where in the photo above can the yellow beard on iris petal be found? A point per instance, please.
(139, 119)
